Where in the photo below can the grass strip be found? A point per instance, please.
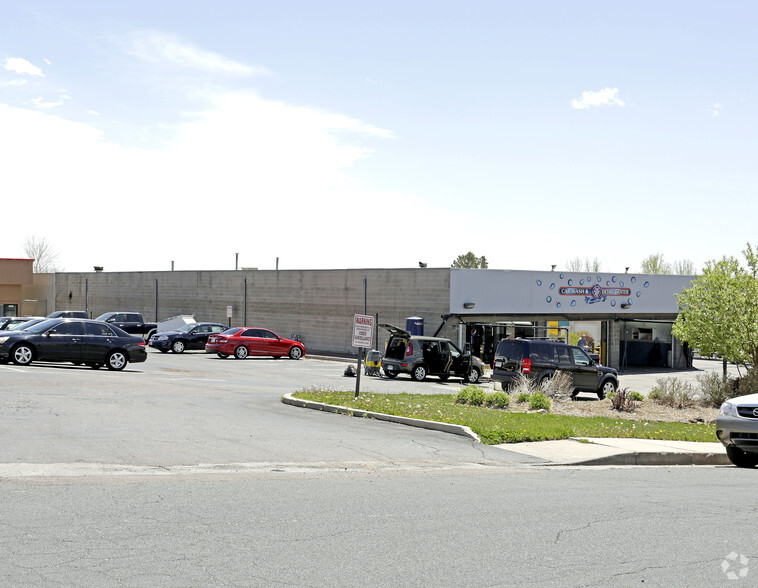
(495, 426)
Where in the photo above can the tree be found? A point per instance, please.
(579, 265)
(684, 267)
(655, 264)
(719, 312)
(44, 256)
(469, 260)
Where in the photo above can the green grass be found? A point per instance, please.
(496, 426)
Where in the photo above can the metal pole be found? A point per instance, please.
(244, 306)
(86, 296)
(236, 261)
(156, 300)
(361, 350)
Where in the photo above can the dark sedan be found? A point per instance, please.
(79, 341)
(191, 336)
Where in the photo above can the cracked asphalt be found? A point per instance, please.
(188, 470)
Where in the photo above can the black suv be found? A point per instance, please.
(539, 360)
(420, 356)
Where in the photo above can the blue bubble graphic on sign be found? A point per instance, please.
(571, 282)
(539, 282)
(613, 303)
(647, 284)
(573, 303)
(639, 294)
(558, 304)
(561, 276)
(634, 279)
(613, 279)
(581, 282)
(549, 299)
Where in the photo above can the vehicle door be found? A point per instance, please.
(566, 362)
(271, 344)
(432, 356)
(460, 362)
(250, 338)
(197, 337)
(585, 371)
(63, 342)
(98, 340)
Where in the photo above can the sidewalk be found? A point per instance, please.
(573, 451)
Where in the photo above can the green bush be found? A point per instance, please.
(539, 401)
(523, 397)
(463, 396)
(622, 401)
(498, 400)
(747, 384)
(715, 389)
(636, 396)
(473, 395)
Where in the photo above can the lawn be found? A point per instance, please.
(495, 426)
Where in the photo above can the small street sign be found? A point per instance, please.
(363, 330)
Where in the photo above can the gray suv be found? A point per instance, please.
(422, 356)
(737, 429)
(539, 360)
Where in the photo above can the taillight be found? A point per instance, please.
(526, 366)
(409, 349)
(142, 343)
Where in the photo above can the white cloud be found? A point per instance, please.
(604, 97)
(22, 66)
(156, 47)
(46, 104)
(715, 110)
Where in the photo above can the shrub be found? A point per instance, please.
(558, 385)
(473, 395)
(522, 385)
(523, 397)
(498, 400)
(715, 389)
(622, 401)
(636, 396)
(674, 392)
(539, 401)
(747, 384)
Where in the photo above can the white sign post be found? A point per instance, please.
(229, 314)
(363, 331)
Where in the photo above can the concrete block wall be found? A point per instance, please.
(316, 305)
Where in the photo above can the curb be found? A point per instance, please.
(420, 423)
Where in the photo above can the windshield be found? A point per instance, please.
(187, 328)
(102, 317)
(42, 326)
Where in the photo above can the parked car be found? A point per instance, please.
(68, 314)
(13, 322)
(244, 341)
(540, 360)
(737, 429)
(190, 336)
(131, 322)
(421, 356)
(79, 341)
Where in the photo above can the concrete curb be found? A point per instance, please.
(420, 423)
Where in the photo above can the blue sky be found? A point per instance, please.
(348, 134)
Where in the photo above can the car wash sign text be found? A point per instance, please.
(594, 293)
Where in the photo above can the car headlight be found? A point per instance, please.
(160, 338)
(728, 409)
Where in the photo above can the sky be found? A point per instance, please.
(341, 134)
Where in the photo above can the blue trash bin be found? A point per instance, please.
(415, 325)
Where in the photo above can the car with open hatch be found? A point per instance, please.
(186, 337)
(540, 360)
(421, 356)
(79, 341)
(737, 429)
(242, 342)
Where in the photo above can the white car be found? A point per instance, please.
(737, 429)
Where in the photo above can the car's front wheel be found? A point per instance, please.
(296, 352)
(178, 346)
(241, 352)
(116, 360)
(473, 375)
(609, 387)
(419, 373)
(22, 354)
(740, 458)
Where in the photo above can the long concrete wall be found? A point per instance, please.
(315, 305)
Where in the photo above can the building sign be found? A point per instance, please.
(594, 293)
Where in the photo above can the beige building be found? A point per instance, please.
(15, 274)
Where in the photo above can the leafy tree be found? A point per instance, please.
(655, 264)
(586, 265)
(719, 312)
(469, 260)
(684, 267)
(44, 256)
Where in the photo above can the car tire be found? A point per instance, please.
(296, 352)
(222, 355)
(608, 387)
(178, 346)
(419, 373)
(116, 361)
(473, 375)
(390, 375)
(241, 352)
(22, 354)
(740, 458)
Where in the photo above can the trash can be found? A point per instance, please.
(415, 325)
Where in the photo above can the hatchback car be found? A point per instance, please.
(420, 356)
(737, 429)
(540, 360)
(79, 341)
(189, 336)
(244, 341)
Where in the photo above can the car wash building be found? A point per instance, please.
(628, 317)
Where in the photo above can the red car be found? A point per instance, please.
(243, 341)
